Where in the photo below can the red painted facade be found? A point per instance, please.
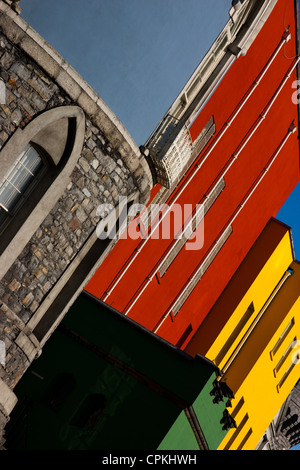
(255, 98)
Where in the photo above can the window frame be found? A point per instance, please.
(53, 183)
(11, 212)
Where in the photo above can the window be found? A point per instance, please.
(46, 151)
(238, 407)
(16, 184)
(242, 444)
(237, 432)
(282, 337)
(201, 270)
(285, 355)
(192, 226)
(235, 333)
(286, 374)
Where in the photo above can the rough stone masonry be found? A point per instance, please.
(37, 79)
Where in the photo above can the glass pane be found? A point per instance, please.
(20, 179)
(8, 195)
(31, 159)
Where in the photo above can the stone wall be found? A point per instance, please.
(37, 79)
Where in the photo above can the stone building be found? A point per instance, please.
(284, 431)
(63, 155)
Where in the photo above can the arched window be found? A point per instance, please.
(45, 151)
(19, 180)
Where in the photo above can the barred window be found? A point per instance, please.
(15, 185)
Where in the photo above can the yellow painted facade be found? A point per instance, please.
(266, 368)
(252, 334)
(251, 305)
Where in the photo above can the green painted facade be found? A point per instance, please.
(104, 382)
(180, 435)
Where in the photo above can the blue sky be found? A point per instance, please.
(137, 55)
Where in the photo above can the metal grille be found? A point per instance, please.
(192, 225)
(172, 150)
(204, 136)
(178, 155)
(163, 136)
(201, 270)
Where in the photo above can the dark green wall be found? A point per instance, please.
(136, 384)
